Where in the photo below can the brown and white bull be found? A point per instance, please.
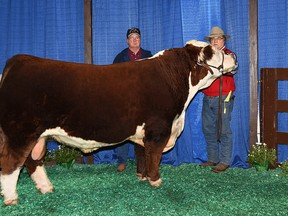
(90, 106)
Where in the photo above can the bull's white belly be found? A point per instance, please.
(87, 146)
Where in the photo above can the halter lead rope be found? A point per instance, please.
(220, 68)
(220, 111)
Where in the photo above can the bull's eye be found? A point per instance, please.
(200, 62)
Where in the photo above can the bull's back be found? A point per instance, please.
(83, 99)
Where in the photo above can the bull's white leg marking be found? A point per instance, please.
(8, 184)
(140, 177)
(156, 183)
(39, 149)
(41, 180)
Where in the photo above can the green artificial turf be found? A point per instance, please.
(186, 190)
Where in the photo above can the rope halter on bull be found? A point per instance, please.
(208, 67)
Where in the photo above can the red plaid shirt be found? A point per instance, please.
(133, 56)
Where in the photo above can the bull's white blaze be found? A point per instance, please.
(8, 184)
(41, 180)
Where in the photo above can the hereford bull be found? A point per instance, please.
(90, 106)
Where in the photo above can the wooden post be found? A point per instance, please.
(88, 55)
(268, 112)
(88, 52)
(253, 31)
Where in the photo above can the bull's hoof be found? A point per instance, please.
(156, 183)
(11, 202)
(46, 190)
(141, 177)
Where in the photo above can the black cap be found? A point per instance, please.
(133, 30)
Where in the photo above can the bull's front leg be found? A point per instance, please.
(155, 141)
(153, 153)
(141, 171)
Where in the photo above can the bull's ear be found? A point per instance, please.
(207, 52)
(201, 56)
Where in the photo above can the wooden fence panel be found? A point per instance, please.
(270, 106)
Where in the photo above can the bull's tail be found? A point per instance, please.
(13, 61)
(3, 138)
(10, 62)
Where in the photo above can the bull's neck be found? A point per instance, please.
(177, 70)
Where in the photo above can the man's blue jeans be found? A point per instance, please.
(122, 153)
(217, 152)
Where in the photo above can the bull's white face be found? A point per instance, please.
(216, 60)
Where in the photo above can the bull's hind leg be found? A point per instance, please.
(39, 176)
(8, 185)
(9, 171)
(12, 160)
(11, 164)
(36, 169)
